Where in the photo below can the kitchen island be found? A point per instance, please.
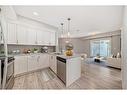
(68, 68)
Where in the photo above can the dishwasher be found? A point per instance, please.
(61, 69)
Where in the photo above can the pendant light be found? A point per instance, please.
(62, 34)
(68, 34)
(69, 46)
(68, 31)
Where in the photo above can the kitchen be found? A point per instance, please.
(63, 47)
(53, 47)
(28, 46)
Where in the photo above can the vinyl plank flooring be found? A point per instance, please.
(93, 77)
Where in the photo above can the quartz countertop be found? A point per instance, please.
(69, 57)
(22, 54)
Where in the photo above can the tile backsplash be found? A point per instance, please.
(22, 47)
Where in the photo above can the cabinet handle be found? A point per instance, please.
(38, 58)
(36, 42)
(17, 41)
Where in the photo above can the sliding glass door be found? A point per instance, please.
(100, 47)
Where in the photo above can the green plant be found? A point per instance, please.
(35, 49)
(2, 52)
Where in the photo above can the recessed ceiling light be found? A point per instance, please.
(35, 13)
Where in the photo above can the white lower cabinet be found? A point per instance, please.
(26, 63)
(20, 65)
(43, 61)
(32, 62)
(53, 63)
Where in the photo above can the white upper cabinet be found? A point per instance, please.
(39, 37)
(31, 37)
(11, 33)
(46, 38)
(21, 34)
(25, 35)
(52, 38)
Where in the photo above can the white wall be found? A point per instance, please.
(77, 43)
(124, 50)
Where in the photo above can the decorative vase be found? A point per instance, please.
(69, 52)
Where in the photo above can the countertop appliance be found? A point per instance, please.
(61, 69)
(10, 72)
(44, 49)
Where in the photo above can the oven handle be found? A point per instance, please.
(10, 63)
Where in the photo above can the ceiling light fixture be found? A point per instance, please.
(68, 31)
(68, 34)
(62, 30)
(35, 13)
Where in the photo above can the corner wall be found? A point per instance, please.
(124, 50)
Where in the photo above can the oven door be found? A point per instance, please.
(10, 75)
(10, 70)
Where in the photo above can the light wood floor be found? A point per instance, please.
(93, 77)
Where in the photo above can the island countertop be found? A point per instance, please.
(69, 57)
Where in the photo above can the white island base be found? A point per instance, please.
(72, 69)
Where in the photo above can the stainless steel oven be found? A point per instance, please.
(9, 80)
(10, 73)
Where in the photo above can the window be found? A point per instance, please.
(100, 47)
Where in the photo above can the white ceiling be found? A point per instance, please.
(85, 20)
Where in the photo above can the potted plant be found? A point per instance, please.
(35, 50)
